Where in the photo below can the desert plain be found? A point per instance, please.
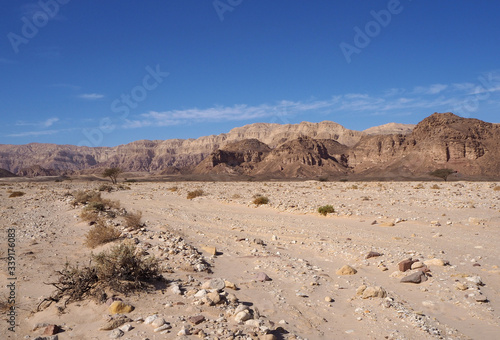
(233, 269)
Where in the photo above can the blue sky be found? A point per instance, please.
(103, 73)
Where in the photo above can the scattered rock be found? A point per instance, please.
(372, 254)
(51, 330)
(405, 265)
(185, 330)
(209, 250)
(230, 285)
(116, 333)
(127, 327)
(346, 270)
(361, 289)
(119, 307)
(242, 316)
(114, 323)
(476, 280)
(416, 265)
(176, 289)
(416, 277)
(328, 299)
(196, 319)
(436, 262)
(215, 283)
(158, 322)
(461, 286)
(376, 291)
(261, 276)
(150, 319)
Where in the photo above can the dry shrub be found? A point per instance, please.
(193, 194)
(120, 270)
(84, 197)
(497, 188)
(419, 186)
(16, 194)
(260, 200)
(236, 196)
(106, 187)
(435, 186)
(326, 209)
(89, 215)
(133, 220)
(101, 234)
(173, 189)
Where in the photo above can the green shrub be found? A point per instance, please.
(326, 209)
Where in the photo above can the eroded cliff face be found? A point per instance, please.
(442, 140)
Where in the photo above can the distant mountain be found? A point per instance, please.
(390, 129)
(305, 150)
(5, 173)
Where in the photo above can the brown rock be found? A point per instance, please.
(416, 277)
(119, 307)
(405, 265)
(261, 276)
(346, 270)
(51, 330)
(209, 250)
(372, 254)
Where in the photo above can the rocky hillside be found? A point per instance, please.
(304, 150)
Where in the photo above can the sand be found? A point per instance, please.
(299, 249)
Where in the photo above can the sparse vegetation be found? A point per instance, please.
(101, 234)
(354, 186)
(419, 186)
(236, 196)
(194, 194)
(106, 187)
(442, 173)
(435, 187)
(259, 200)
(497, 188)
(173, 189)
(120, 269)
(112, 173)
(16, 194)
(133, 220)
(323, 179)
(326, 209)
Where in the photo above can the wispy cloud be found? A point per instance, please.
(91, 96)
(42, 124)
(431, 89)
(394, 102)
(66, 86)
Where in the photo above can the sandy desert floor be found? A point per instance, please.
(452, 229)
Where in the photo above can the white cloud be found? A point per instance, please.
(33, 133)
(46, 123)
(431, 89)
(91, 96)
(49, 122)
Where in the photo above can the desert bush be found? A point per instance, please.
(195, 193)
(120, 270)
(16, 194)
(133, 220)
(343, 180)
(84, 197)
(497, 188)
(106, 187)
(236, 196)
(323, 179)
(260, 200)
(354, 186)
(123, 270)
(419, 186)
(89, 215)
(130, 180)
(435, 186)
(173, 189)
(326, 209)
(101, 234)
(123, 187)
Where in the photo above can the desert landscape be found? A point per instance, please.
(258, 260)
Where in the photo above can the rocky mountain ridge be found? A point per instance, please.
(305, 150)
